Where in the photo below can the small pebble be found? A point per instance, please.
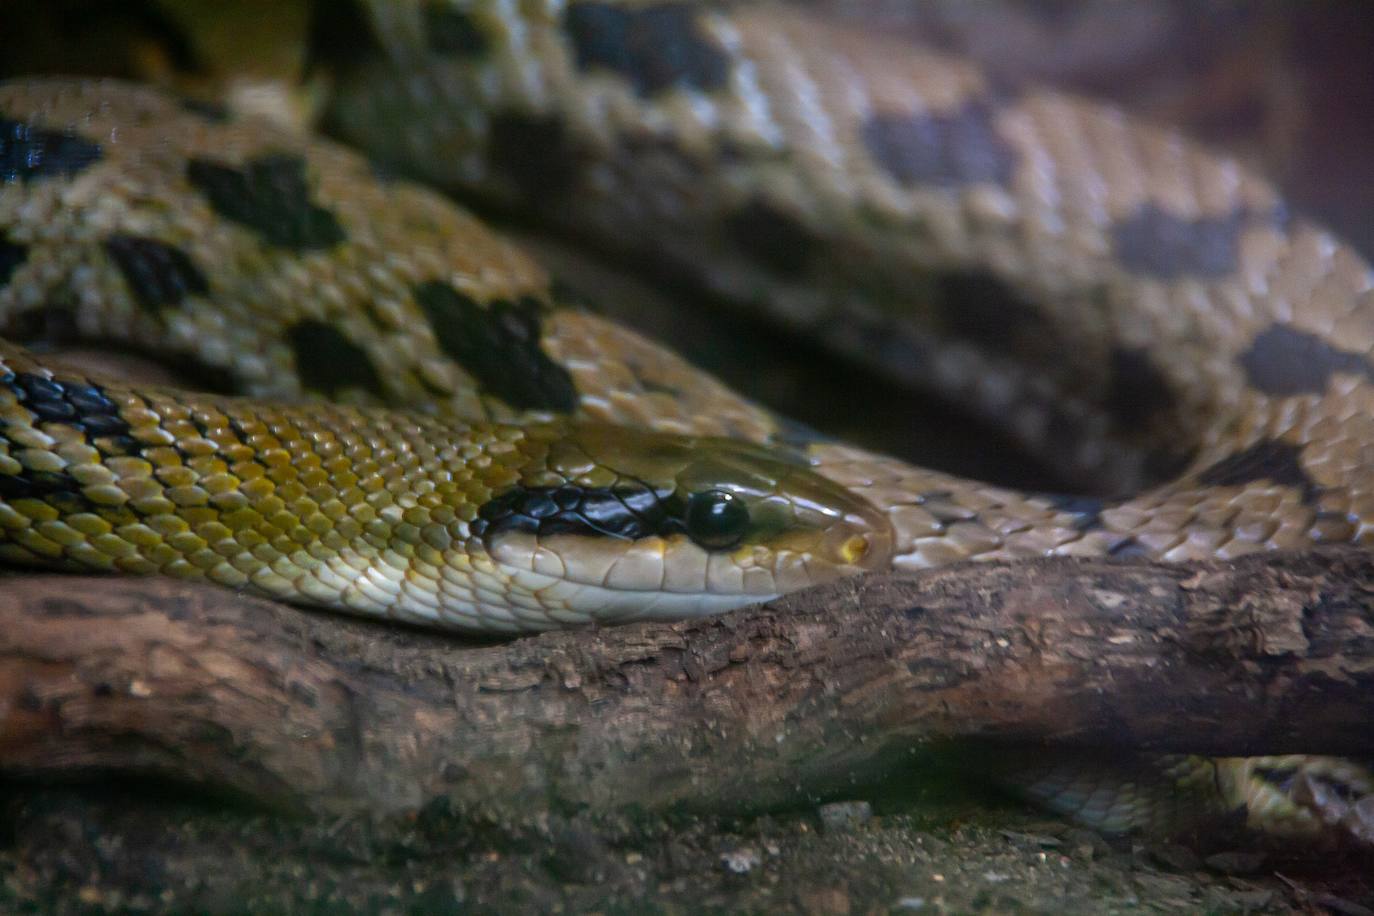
(740, 861)
(838, 817)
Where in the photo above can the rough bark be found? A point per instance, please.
(1267, 654)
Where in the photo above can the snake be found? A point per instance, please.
(409, 419)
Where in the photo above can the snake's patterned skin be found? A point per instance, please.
(1207, 332)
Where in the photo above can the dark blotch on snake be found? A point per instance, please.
(625, 513)
(1139, 392)
(532, 151)
(1277, 462)
(158, 274)
(772, 238)
(1086, 509)
(499, 345)
(980, 307)
(269, 195)
(655, 48)
(29, 153)
(61, 490)
(960, 148)
(12, 254)
(1283, 361)
(452, 32)
(1158, 244)
(329, 362)
(78, 404)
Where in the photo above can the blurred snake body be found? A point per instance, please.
(429, 430)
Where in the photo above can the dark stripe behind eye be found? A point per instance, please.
(626, 513)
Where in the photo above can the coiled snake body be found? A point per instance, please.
(495, 458)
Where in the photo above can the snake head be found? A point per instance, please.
(616, 524)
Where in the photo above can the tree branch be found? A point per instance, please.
(1267, 654)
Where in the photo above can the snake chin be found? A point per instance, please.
(570, 580)
(570, 603)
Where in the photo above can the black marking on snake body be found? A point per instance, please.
(29, 153)
(499, 344)
(1087, 509)
(85, 406)
(951, 150)
(534, 152)
(12, 254)
(978, 306)
(656, 48)
(269, 195)
(43, 396)
(623, 512)
(158, 274)
(60, 490)
(1283, 361)
(1139, 392)
(772, 238)
(1268, 459)
(329, 362)
(1155, 243)
(452, 32)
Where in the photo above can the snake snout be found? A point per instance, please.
(865, 543)
(840, 535)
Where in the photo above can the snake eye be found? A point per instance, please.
(716, 519)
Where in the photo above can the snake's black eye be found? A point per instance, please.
(716, 519)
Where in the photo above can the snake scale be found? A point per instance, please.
(430, 430)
